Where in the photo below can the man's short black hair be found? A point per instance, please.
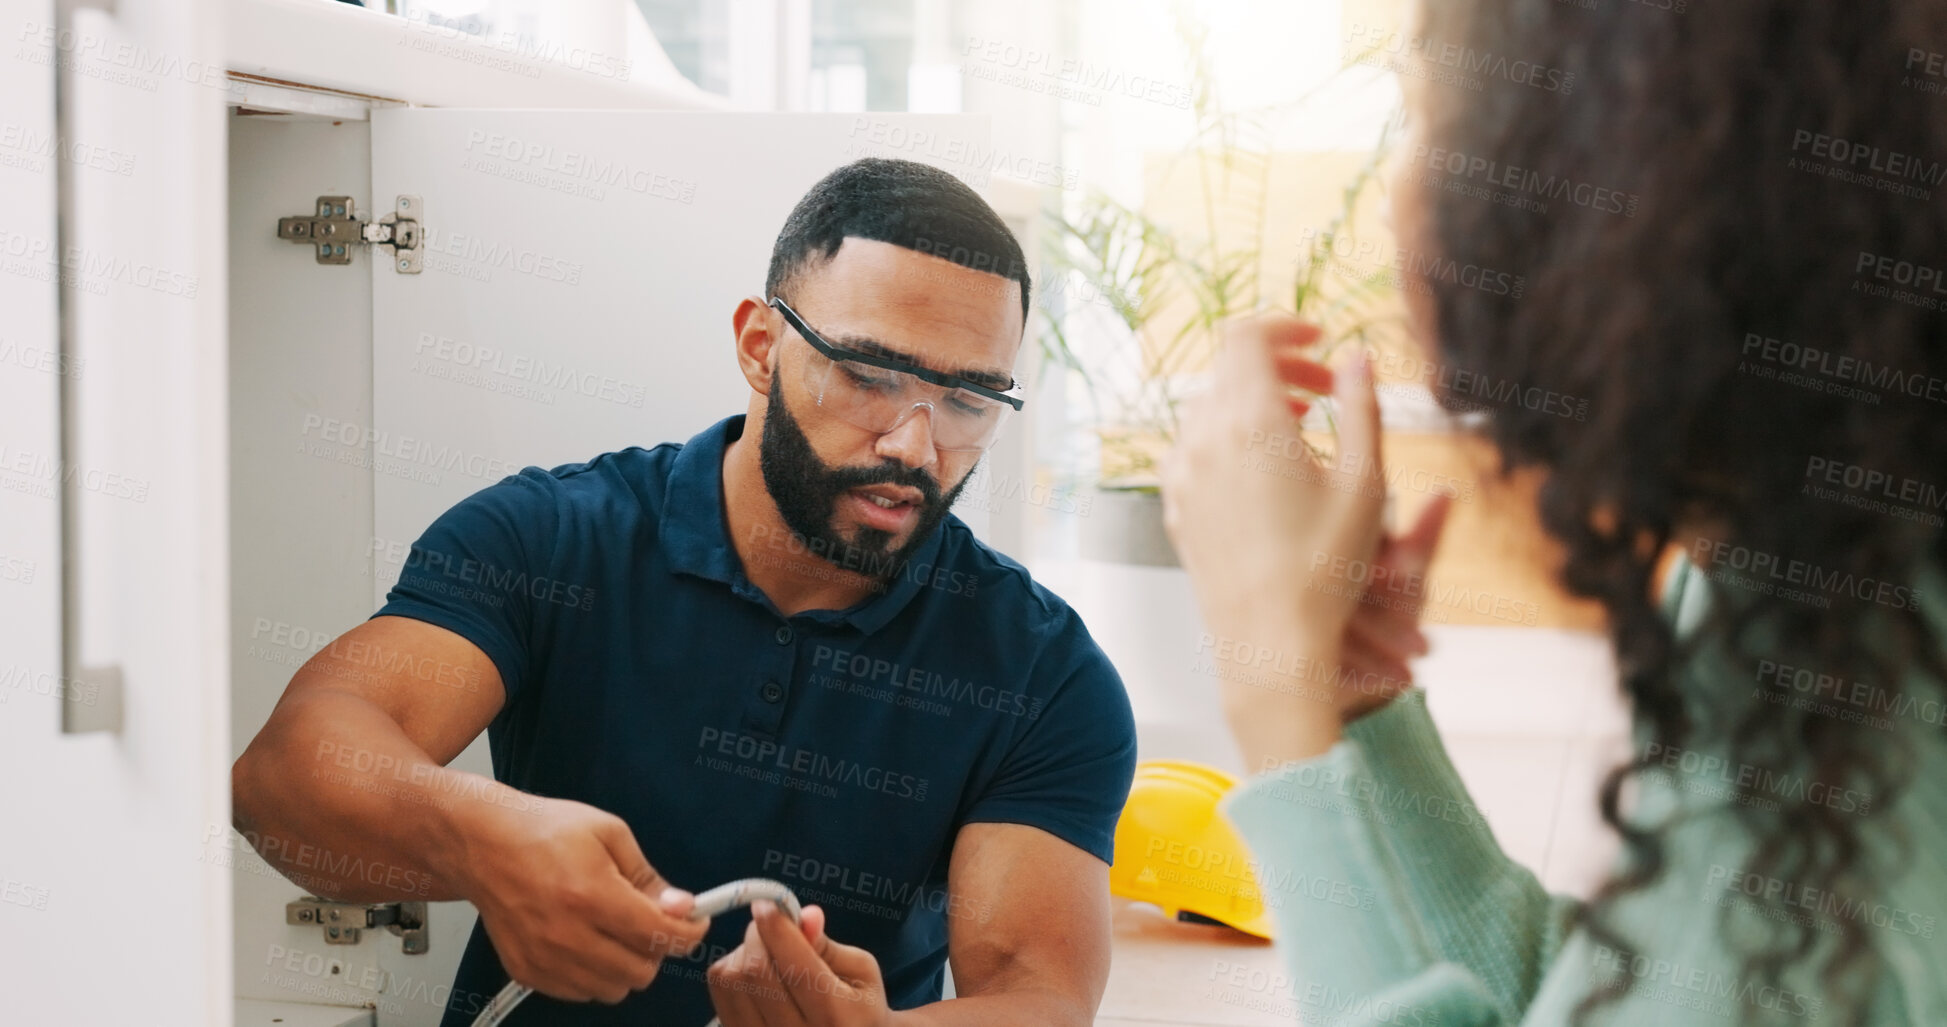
(902, 202)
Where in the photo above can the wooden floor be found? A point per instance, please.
(1166, 972)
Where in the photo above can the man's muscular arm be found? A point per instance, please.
(351, 765)
(349, 774)
(1028, 930)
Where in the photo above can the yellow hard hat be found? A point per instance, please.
(1173, 849)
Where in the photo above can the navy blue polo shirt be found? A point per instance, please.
(838, 751)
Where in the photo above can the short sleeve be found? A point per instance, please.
(467, 572)
(1069, 772)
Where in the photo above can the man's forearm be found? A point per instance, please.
(333, 794)
(1036, 985)
(1032, 1005)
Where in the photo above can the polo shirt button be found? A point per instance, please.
(784, 634)
(773, 691)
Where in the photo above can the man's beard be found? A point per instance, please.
(807, 492)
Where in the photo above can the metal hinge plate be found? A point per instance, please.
(336, 229)
(343, 922)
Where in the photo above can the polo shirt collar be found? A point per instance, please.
(696, 537)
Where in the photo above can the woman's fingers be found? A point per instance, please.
(1358, 425)
(1280, 330)
(1420, 540)
(1393, 631)
(1257, 352)
(1265, 532)
(1384, 631)
(1300, 370)
(1377, 653)
(1389, 612)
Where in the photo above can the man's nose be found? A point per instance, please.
(911, 440)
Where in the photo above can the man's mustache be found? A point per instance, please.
(843, 478)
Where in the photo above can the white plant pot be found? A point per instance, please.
(1126, 526)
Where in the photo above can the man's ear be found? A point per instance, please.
(751, 324)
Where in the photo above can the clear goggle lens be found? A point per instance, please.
(879, 400)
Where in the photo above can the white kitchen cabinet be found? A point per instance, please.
(256, 436)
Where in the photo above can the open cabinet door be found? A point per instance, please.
(578, 273)
(113, 563)
(576, 278)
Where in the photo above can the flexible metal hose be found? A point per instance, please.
(721, 899)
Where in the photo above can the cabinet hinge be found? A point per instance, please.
(343, 921)
(336, 229)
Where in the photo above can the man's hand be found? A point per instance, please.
(574, 910)
(794, 975)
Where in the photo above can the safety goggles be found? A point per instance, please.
(879, 393)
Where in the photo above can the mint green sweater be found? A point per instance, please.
(1394, 905)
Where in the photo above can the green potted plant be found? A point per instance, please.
(1158, 296)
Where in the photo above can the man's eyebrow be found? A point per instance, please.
(999, 381)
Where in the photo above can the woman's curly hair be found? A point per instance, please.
(1744, 304)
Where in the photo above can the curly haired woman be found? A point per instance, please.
(1733, 253)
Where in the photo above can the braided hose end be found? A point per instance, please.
(715, 902)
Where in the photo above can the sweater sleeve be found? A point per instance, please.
(1391, 896)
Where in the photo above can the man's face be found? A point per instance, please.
(825, 473)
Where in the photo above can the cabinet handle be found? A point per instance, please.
(91, 696)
